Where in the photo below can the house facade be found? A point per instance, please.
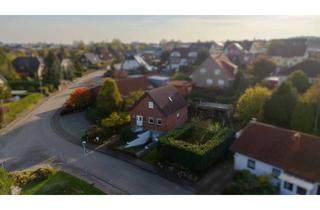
(133, 63)
(89, 59)
(183, 56)
(286, 156)
(160, 110)
(216, 71)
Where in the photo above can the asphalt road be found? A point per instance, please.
(32, 141)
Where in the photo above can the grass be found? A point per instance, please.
(61, 183)
(17, 107)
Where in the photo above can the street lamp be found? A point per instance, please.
(84, 143)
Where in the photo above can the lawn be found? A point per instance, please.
(61, 183)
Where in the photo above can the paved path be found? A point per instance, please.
(31, 141)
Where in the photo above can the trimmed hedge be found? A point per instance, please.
(197, 157)
(30, 86)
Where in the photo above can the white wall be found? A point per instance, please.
(130, 65)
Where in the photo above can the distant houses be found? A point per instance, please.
(216, 71)
(180, 57)
(89, 59)
(287, 156)
(135, 63)
(29, 66)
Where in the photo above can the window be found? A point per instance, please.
(288, 186)
(151, 120)
(209, 82)
(178, 115)
(301, 191)
(275, 173)
(318, 191)
(150, 105)
(251, 164)
(203, 71)
(159, 121)
(217, 72)
(221, 82)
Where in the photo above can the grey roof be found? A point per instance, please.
(215, 106)
(313, 44)
(92, 58)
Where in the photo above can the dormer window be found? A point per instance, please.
(217, 72)
(150, 105)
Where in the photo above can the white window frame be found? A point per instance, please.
(209, 82)
(275, 173)
(150, 105)
(149, 122)
(203, 71)
(217, 71)
(159, 120)
(221, 82)
(286, 186)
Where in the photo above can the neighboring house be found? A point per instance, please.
(133, 63)
(151, 54)
(216, 47)
(237, 54)
(89, 59)
(160, 110)
(184, 87)
(180, 57)
(258, 48)
(290, 158)
(310, 67)
(131, 84)
(313, 49)
(216, 71)
(67, 68)
(157, 80)
(29, 66)
(287, 53)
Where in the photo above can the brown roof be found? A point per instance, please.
(168, 99)
(310, 67)
(133, 84)
(278, 147)
(288, 48)
(224, 64)
(177, 83)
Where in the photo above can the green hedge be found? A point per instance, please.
(30, 86)
(15, 108)
(197, 157)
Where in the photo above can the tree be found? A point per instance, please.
(306, 113)
(132, 98)
(109, 98)
(6, 68)
(299, 80)
(279, 108)
(250, 104)
(203, 54)
(165, 56)
(52, 74)
(261, 68)
(5, 182)
(80, 98)
(115, 121)
(5, 92)
(240, 83)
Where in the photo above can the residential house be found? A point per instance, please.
(104, 54)
(133, 63)
(131, 84)
(184, 87)
(310, 67)
(258, 47)
(237, 54)
(151, 54)
(67, 68)
(157, 80)
(287, 53)
(216, 47)
(183, 56)
(160, 110)
(313, 49)
(289, 157)
(29, 66)
(89, 59)
(216, 71)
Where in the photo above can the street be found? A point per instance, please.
(31, 141)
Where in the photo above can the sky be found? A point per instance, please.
(66, 29)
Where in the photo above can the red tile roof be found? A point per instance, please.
(133, 84)
(279, 147)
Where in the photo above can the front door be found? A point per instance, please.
(139, 120)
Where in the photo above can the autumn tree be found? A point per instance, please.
(80, 98)
(109, 98)
(132, 98)
(250, 104)
(279, 108)
(239, 83)
(261, 68)
(299, 80)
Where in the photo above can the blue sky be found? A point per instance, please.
(66, 29)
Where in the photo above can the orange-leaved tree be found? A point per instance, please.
(80, 98)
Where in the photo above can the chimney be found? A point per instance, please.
(296, 141)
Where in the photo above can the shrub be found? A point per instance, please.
(115, 121)
(24, 85)
(195, 156)
(245, 183)
(126, 134)
(80, 98)
(92, 134)
(24, 178)
(5, 182)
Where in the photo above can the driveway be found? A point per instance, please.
(31, 141)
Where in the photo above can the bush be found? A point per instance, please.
(24, 178)
(245, 183)
(115, 121)
(30, 86)
(92, 134)
(195, 156)
(80, 98)
(126, 134)
(5, 182)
